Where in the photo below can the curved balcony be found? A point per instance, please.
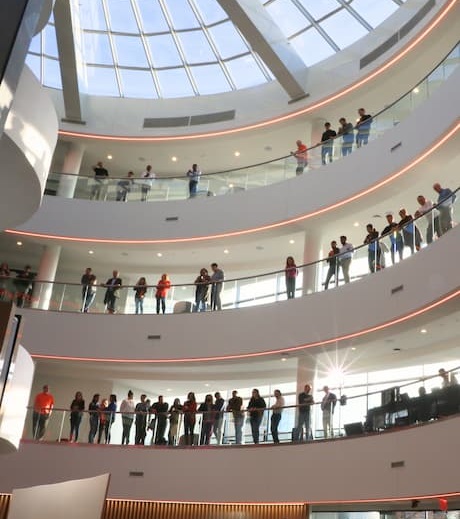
(238, 180)
(173, 469)
(257, 330)
(356, 179)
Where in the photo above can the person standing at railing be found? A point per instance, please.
(448, 378)
(93, 409)
(327, 407)
(291, 273)
(141, 410)
(194, 175)
(431, 215)
(174, 416)
(43, 407)
(256, 408)
(124, 186)
(201, 291)
(23, 284)
(163, 285)
(219, 403)
(397, 244)
(301, 155)
(345, 256)
(234, 406)
(107, 415)
(140, 290)
(327, 147)
(446, 199)
(346, 132)
(333, 262)
(160, 411)
(148, 177)
(207, 419)
(88, 292)
(277, 410)
(410, 232)
(76, 414)
(113, 286)
(363, 127)
(217, 280)
(4, 276)
(101, 175)
(190, 418)
(305, 401)
(373, 248)
(127, 409)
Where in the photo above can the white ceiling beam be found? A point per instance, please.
(67, 61)
(266, 38)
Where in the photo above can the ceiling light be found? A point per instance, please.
(174, 159)
(109, 157)
(159, 254)
(19, 243)
(283, 359)
(292, 242)
(353, 348)
(226, 251)
(237, 153)
(356, 224)
(90, 252)
(423, 330)
(230, 186)
(416, 90)
(169, 389)
(206, 385)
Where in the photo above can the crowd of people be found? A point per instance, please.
(346, 131)
(126, 185)
(154, 417)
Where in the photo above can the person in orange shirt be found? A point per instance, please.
(43, 406)
(301, 154)
(162, 289)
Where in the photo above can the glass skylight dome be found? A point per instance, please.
(179, 48)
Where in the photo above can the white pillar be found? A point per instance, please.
(46, 272)
(312, 252)
(72, 164)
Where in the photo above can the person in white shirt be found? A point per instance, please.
(127, 409)
(277, 409)
(431, 215)
(345, 257)
(448, 379)
(327, 407)
(147, 182)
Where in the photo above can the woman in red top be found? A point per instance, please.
(162, 289)
(189, 410)
(291, 274)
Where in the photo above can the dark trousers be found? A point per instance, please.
(104, 429)
(275, 421)
(216, 289)
(161, 301)
(141, 431)
(304, 422)
(75, 421)
(192, 187)
(398, 247)
(189, 428)
(255, 422)
(332, 271)
(161, 428)
(127, 423)
(93, 427)
(206, 432)
(290, 287)
(326, 154)
(39, 423)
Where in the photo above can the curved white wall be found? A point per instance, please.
(264, 206)
(426, 277)
(26, 150)
(342, 470)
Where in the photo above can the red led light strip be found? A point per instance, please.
(325, 342)
(443, 14)
(267, 227)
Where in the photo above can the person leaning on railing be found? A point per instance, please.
(446, 199)
(4, 276)
(100, 182)
(256, 408)
(234, 406)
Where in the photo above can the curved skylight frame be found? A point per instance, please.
(191, 48)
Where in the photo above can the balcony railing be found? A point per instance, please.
(237, 180)
(333, 417)
(269, 287)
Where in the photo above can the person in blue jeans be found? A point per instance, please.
(363, 127)
(194, 177)
(348, 136)
(93, 409)
(397, 244)
(256, 408)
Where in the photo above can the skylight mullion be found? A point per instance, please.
(316, 25)
(112, 45)
(358, 17)
(208, 37)
(146, 46)
(178, 46)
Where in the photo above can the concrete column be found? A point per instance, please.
(72, 164)
(312, 252)
(43, 292)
